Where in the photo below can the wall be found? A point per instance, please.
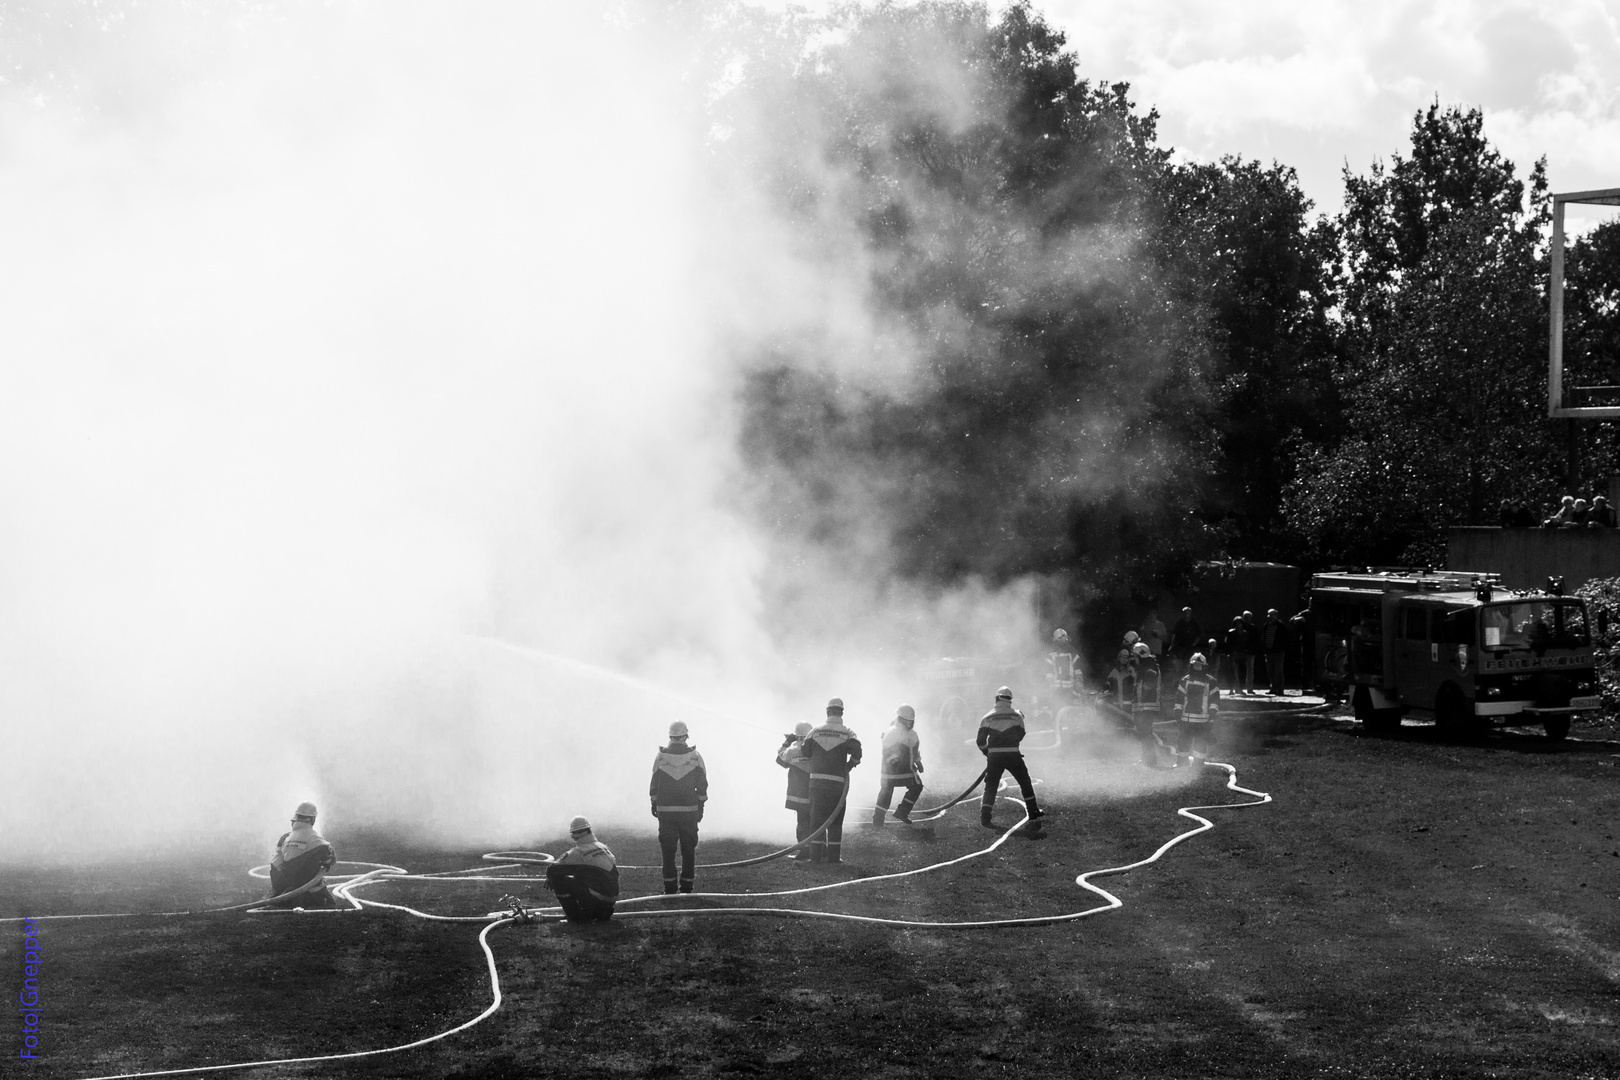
(1527, 557)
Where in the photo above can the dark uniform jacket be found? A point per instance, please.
(833, 750)
(1000, 731)
(680, 783)
(1147, 686)
(1196, 696)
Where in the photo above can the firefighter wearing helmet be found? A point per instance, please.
(299, 867)
(679, 788)
(792, 758)
(1062, 661)
(1197, 704)
(1122, 681)
(585, 877)
(833, 750)
(1145, 709)
(1000, 731)
(902, 766)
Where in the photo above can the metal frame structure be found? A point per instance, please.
(1555, 296)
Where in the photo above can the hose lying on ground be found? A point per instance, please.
(381, 873)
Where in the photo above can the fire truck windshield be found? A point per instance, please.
(1535, 625)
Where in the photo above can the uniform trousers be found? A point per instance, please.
(1013, 765)
(678, 828)
(579, 902)
(913, 788)
(824, 798)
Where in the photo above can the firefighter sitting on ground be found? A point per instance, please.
(586, 877)
(833, 750)
(902, 766)
(1000, 731)
(679, 788)
(301, 862)
(1145, 709)
(791, 757)
(1196, 708)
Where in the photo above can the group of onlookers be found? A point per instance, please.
(1236, 655)
(1571, 513)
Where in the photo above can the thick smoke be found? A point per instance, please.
(370, 428)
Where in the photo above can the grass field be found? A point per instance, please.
(1405, 908)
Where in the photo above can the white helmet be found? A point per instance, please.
(1141, 649)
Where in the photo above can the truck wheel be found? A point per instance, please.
(1557, 727)
(954, 715)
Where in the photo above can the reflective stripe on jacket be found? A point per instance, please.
(1196, 696)
(791, 757)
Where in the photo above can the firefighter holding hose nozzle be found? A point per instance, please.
(1196, 707)
(902, 767)
(302, 860)
(586, 876)
(791, 757)
(1000, 731)
(833, 750)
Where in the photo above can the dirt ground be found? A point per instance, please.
(1406, 907)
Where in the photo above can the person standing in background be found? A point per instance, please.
(1153, 634)
(1274, 646)
(1186, 638)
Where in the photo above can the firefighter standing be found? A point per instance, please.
(902, 766)
(1122, 682)
(1000, 731)
(585, 877)
(1063, 662)
(1145, 709)
(1196, 707)
(791, 757)
(833, 750)
(680, 786)
(302, 859)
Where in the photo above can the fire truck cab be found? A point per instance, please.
(1453, 646)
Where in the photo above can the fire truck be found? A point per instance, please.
(1453, 646)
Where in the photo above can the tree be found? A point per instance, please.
(1441, 371)
(1052, 406)
(1237, 238)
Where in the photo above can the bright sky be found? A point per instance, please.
(1316, 84)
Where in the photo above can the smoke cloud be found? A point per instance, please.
(375, 427)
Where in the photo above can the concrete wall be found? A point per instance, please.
(1526, 558)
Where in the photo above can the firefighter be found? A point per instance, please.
(1145, 709)
(1122, 682)
(301, 861)
(585, 877)
(833, 750)
(1000, 731)
(902, 766)
(1197, 698)
(1062, 661)
(679, 788)
(792, 758)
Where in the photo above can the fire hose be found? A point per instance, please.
(514, 859)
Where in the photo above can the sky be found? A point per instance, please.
(1321, 84)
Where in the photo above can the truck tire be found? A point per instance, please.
(1557, 727)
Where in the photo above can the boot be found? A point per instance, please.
(878, 814)
(903, 814)
(1035, 813)
(984, 817)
